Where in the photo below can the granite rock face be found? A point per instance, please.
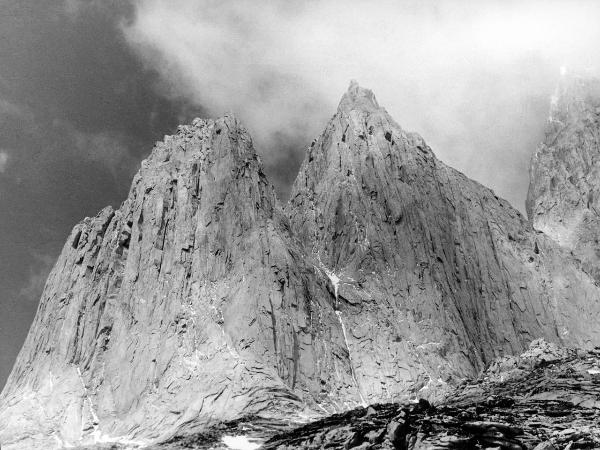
(437, 275)
(564, 192)
(388, 277)
(186, 306)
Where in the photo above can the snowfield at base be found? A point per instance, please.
(239, 443)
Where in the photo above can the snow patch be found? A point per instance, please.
(333, 278)
(128, 443)
(335, 281)
(427, 385)
(239, 443)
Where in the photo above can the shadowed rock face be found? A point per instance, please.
(564, 192)
(199, 301)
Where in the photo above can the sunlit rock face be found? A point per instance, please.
(187, 305)
(564, 192)
(389, 276)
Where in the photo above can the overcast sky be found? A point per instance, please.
(86, 87)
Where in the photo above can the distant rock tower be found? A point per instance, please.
(564, 191)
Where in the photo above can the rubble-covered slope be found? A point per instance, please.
(438, 276)
(564, 192)
(187, 305)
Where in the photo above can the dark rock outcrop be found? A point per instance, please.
(564, 192)
(198, 302)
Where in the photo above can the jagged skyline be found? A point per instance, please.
(389, 276)
(86, 87)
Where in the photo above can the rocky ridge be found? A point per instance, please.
(388, 277)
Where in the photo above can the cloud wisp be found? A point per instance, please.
(474, 79)
(3, 160)
(109, 149)
(38, 274)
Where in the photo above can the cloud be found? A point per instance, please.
(74, 8)
(473, 78)
(3, 160)
(110, 149)
(38, 274)
(10, 109)
(227, 62)
(105, 148)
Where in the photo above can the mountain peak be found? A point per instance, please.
(357, 97)
(224, 137)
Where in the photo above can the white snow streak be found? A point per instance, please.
(95, 421)
(239, 443)
(335, 281)
(339, 316)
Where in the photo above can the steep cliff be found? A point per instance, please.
(388, 276)
(437, 275)
(564, 192)
(187, 305)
